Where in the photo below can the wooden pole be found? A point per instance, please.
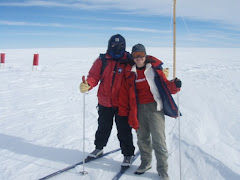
(174, 76)
(174, 39)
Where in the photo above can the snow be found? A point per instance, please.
(41, 116)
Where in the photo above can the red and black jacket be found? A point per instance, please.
(110, 79)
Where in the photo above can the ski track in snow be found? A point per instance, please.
(198, 161)
(41, 116)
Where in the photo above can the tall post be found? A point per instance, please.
(174, 76)
(174, 38)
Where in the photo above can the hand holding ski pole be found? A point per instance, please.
(84, 86)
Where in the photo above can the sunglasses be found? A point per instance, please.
(138, 54)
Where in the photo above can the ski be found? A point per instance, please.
(79, 163)
(124, 169)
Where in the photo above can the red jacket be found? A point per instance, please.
(110, 84)
(128, 97)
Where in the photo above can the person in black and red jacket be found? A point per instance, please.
(145, 99)
(108, 95)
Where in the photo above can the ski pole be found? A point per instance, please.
(83, 171)
(179, 131)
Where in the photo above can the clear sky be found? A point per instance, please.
(90, 23)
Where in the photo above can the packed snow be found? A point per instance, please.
(41, 116)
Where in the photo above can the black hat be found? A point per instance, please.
(116, 46)
(139, 48)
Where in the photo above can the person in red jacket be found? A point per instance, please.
(108, 94)
(145, 98)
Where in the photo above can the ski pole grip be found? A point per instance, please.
(83, 79)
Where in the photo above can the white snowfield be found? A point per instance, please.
(41, 116)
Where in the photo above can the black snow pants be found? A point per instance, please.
(105, 123)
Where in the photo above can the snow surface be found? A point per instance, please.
(41, 116)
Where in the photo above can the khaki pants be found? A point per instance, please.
(151, 135)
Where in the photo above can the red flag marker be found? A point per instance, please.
(2, 58)
(35, 60)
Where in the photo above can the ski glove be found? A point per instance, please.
(178, 82)
(84, 87)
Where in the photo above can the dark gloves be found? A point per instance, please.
(178, 82)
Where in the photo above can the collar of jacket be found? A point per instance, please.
(156, 63)
(134, 67)
(121, 60)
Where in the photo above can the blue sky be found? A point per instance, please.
(90, 23)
